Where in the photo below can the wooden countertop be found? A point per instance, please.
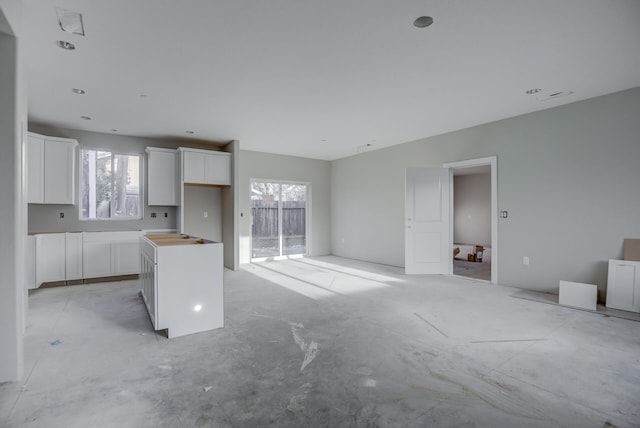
(166, 239)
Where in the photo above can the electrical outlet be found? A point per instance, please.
(61, 215)
(153, 215)
(166, 215)
(206, 214)
(525, 260)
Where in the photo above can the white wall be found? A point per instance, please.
(569, 177)
(472, 209)
(258, 165)
(12, 205)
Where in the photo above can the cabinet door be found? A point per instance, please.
(218, 169)
(58, 172)
(193, 167)
(50, 258)
(162, 178)
(623, 285)
(73, 256)
(96, 259)
(35, 169)
(126, 258)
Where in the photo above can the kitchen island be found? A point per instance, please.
(181, 283)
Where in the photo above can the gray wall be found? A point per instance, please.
(230, 206)
(569, 177)
(258, 165)
(197, 201)
(472, 209)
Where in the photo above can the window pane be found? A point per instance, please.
(265, 236)
(102, 186)
(294, 219)
(109, 185)
(126, 186)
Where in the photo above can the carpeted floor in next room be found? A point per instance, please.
(326, 342)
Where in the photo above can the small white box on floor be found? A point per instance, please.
(578, 295)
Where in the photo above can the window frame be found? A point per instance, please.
(112, 202)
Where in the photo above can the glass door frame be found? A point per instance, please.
(280, 237)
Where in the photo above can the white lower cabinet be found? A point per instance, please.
(73, 256)
(623, 285)
(111, 253)
(55, 257)
(96, 257)
(50, 257)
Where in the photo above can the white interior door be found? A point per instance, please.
(427, 221)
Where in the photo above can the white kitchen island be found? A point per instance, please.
(181, 283)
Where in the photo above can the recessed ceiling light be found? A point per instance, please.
(190, 132)
(66, 45)
(423, 22)
(78, 91)
(323, 140)
(533, 91)
(85, 117)
(71, 22)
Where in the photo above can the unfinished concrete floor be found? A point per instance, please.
(326, 342)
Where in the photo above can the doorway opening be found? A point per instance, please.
(472, 222)
(279, 219)
(473, 214)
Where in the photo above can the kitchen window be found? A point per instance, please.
(109, 185)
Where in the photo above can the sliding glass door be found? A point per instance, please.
(279, 219)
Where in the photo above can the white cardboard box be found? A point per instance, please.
(578, 295)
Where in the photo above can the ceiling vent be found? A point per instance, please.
(547, 96)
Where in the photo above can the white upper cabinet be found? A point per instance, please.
(193, 166)
(162, 179)
(217, 168)
(50, 170)
(206, 167)
(35, 170)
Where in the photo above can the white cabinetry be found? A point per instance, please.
(181, 284)
(205, 167)
(163, 179)
(110, 253)
(73, 256)
(623, 285)
(50, 170)
(50, 257)
(35, 170)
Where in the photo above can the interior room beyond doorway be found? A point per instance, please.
(472, 222)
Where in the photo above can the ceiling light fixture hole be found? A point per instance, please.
(85, 117)
(78, 91)
(423, 22)
(66, 45)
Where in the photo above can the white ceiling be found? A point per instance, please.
(324, 78)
